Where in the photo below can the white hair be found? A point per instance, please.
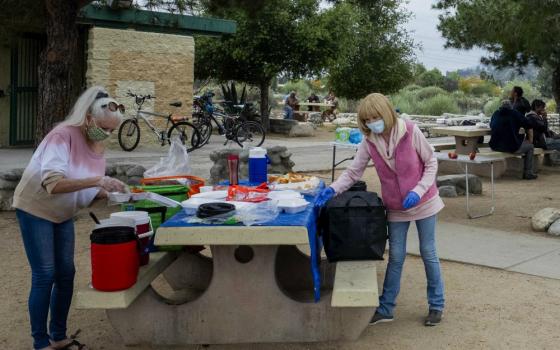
(88, 103)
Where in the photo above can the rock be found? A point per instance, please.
(554, 229)
(448, 191)
(6, 199)
(302, 130)
(136, 170)
(281, 126)
(111, 170)
(553, 159)
(542, 220)
(475, 185)
(315, 118)
(8, 185)
(12, 174)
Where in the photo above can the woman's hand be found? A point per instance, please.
(110, 184)
(324, 197)
(411, 200)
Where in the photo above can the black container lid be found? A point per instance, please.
(214, 209)
(113, 235)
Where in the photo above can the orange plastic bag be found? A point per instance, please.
(247, 194)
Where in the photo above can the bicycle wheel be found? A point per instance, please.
(251, 134)
(204, 126)
(129, 135)
(187, 133)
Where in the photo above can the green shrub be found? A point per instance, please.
(429, 92)
(301, 87)
(411, 87)
(491, 106)
(438, 105)
(551, 106)
(529, 91)
(406, 102)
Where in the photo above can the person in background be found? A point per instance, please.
(543, 137)
(313, 99)
(65, 174)
(330, 113)
(519, 103)
(407, 168)
(290, 105)
(505, 125)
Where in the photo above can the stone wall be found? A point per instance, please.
(280, 163)
(145, 63)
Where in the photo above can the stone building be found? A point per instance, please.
(122, 49)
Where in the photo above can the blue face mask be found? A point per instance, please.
(377, 127)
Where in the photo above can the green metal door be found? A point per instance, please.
(24, 92)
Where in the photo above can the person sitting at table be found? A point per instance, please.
(291, 105)
(519, 103)
(330, 113)
(407, 167)
(313, 99)
(543, 137)
(65, 174)
(505, 125)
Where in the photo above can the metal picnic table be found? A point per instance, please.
(259, 287)
(466, 137)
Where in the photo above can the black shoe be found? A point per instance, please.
(379, 318)
(530, 177)
(434, 318)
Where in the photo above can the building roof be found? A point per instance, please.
(161, 22)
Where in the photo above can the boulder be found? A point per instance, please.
(135, 170)
(12, 174)
(553, 159)
(8, 185)
(458, 181)
(111, 170)
(302, 130)
(554, 229)
(448, 191)
(6, 199)
(542, 220)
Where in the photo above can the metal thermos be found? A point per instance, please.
(233, 168)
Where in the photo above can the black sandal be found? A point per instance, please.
(74, 343)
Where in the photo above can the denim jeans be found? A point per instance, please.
(50, 251)
(397, 253)
(527, 149)
(288, 112)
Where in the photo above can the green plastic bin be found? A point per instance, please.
(158, 213)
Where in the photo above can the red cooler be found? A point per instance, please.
(143, 231)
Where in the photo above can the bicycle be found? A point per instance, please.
(176, 126)
(233, 127)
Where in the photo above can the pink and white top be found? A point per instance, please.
(63, 153)
(387, 151)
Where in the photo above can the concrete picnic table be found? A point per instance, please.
(256, 286)
(466, 137)
(317, 104)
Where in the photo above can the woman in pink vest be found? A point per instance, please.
(407, 169)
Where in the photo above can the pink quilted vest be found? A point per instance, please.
(395, 184)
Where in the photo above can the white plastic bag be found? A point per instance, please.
(258, 213)
(175, 163)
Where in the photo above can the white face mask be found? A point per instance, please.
(377, 127)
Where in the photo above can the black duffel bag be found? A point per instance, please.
(354, 227)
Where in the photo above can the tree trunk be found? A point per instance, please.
(264, 104)
(56, 64)
(556, 87)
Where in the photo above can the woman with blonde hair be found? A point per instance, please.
(407, 169)
(65, 174)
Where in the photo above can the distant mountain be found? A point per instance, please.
(502, 75)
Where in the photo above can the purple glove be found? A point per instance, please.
(324, 197)
(412, 198)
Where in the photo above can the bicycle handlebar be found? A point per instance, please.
(144, 97)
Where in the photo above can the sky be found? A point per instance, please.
(423, 29)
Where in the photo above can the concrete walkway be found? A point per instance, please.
(524, 253)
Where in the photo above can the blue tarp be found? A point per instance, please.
(307, 219)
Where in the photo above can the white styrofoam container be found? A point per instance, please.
(293, 206)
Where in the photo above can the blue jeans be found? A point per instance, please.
(50, 251)
(397, 253)
(288, 112)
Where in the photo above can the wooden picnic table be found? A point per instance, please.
(466, 137)
(256, 286)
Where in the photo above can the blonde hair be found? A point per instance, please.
(377, 106)
(88, 103)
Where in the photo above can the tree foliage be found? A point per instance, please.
(516, 33)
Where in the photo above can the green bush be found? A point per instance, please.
(411, 87)
(491, 106)
(438, 105)
(551, 106)
(406, 102)
(301, 87)
(529, 91)
(429, 92)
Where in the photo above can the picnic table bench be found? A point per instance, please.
(466, 137)
(255, 288)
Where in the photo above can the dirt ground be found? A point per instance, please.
(486, 308)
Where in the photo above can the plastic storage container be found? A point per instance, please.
(258, 162)
(114, 258)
